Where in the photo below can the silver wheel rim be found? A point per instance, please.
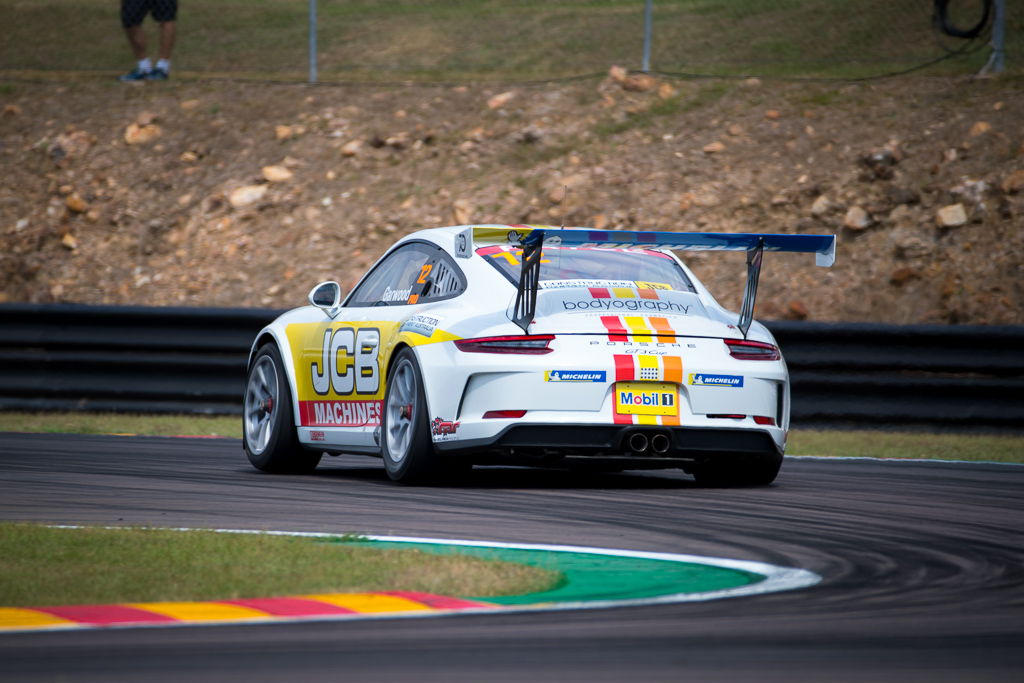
(260, 404)
(401, 411)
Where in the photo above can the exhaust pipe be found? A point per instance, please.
(637, 442)
(660, 443)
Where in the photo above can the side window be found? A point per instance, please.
(415, 273)
(446, 281)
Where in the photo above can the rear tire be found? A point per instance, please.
(406, 446)
(757, 470)
(268, 430)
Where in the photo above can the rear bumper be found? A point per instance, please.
(583, 416)
(685, 443)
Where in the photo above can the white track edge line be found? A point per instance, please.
(906, 461)
(777, 579)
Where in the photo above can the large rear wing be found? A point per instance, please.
(531, 238)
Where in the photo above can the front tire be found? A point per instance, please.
(268, 432)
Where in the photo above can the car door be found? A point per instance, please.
(341, 363)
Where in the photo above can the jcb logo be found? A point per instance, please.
(348, 362)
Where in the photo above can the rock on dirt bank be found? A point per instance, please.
(246, 194)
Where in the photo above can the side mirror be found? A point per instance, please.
(327, 297)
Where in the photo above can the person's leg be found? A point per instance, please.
(132, 13)
(165, 12)
(137, 40)
(168, 31)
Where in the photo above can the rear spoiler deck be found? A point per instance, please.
(532, 238)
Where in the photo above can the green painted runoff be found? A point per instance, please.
(592, 577)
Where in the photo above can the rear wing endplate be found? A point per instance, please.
(532, 239)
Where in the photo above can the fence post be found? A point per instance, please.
(312, 41)
(999, 37)
(648, 12)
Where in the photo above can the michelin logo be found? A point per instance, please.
(574, 375)
(702, 380)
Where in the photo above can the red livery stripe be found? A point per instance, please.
(616, 330)
(338, 413)
(625, 370)
(599, 292)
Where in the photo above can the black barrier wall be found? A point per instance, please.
(130, 359)
(192, 360)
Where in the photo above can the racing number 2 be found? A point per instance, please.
(422, 281)
(348, 362)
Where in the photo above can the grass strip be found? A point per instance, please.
(47, 566)
(836, 443)
(122, 423)
(871, 444)
(430, 40)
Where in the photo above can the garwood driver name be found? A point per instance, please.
(626, 305)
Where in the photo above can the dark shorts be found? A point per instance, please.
(134, 11)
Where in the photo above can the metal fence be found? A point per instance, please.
(192, 360)
(430, 40)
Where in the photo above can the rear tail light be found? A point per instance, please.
(504, 414)
(759, 419)
(534, 344)
(742, 349)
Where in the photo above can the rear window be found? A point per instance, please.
(585, 267)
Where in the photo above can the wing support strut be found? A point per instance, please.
(525, 307)
(750, 292)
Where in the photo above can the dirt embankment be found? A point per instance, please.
(234, 194)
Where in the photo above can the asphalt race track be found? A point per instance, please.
(923, 567)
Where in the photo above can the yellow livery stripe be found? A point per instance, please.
(650, 367)
(638, 327)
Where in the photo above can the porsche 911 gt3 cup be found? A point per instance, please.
(528, 344)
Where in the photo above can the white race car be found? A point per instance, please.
(533, 345)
